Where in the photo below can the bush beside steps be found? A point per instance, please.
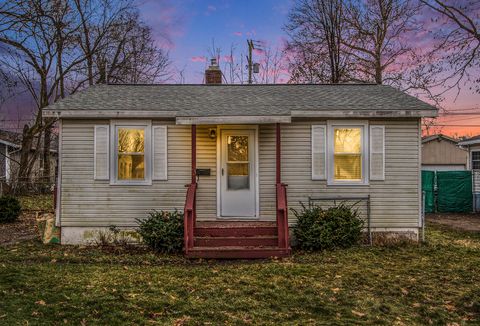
(319, 229)
(162, 231)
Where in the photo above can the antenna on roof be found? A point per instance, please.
(252, 67)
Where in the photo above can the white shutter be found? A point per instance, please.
(159, 152)
(377, 152)
(101, 155)
(318, 152)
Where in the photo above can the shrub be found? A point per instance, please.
(9, 209)
(335, 227)
(163, 231)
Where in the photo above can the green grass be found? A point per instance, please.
(434, 283)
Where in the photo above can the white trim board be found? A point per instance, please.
(147, 125)
(58, 221)
(232, 120)
(108, 114)
(331, 124)
(342, 113)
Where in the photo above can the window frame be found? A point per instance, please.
(471, 158)
(146, 125)
(330, 151)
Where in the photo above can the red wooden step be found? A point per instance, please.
(260, 241)
(235, 229)
(243, 252)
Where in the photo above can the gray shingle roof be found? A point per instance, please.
(240, 100)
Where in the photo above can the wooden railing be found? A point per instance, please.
(282, 216)
(189, 216)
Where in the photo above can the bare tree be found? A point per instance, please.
(458, 37)
(272, 64)
(57, 47)
(131, 55)
(377, 39)
(317, 29)
(29, 31)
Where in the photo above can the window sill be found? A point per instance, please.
(348, 184)
(131, 183)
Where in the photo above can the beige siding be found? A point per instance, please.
(394, 201)
(443, 152)
(86, 202)
(207, 185)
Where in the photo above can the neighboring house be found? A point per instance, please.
(442, 153)
(9, 146)
(472, 145)
(10, 151)
(128, 149)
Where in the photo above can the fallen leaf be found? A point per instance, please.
(404, 291)
(40, 302)
(335, 290)
(358, 313)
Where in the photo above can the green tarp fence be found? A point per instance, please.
(447, 191)
(428, 187)
(454, 192)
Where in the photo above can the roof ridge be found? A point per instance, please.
(249, 85)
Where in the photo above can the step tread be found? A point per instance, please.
(234, 224)
(237, 248)
(260, 236)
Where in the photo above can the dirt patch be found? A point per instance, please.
(464, 222)
(23, 229)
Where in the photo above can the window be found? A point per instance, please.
(347, 153)
(476, 160)
(131, 160)
(347, 159)
(131, 154)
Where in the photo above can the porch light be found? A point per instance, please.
(212, 132)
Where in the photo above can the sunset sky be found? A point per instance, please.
(191, 25)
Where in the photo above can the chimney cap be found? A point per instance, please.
(213, 62)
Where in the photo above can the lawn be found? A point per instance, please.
(434, 283)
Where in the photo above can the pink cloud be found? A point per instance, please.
(211, 8)
(198, 59)
(227, 58)
(237, 33)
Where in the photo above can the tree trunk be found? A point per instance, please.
(47, 137)
(27, 141)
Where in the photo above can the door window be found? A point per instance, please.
(238, 174)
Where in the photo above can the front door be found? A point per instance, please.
(237, 173)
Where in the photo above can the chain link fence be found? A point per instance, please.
(30, 186)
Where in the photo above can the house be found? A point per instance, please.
(442, 153)
(10, 151)
(128, 149)
(472, 145)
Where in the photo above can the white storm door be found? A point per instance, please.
(237, 173)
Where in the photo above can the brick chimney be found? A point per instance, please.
(213, 75)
